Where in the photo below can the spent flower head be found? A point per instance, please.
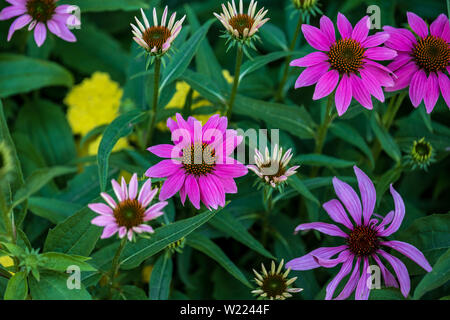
(273, 169)
(130, 214)
(241, 26)
(157, 39)
(40, 15)
(420, 154)
(274, 284)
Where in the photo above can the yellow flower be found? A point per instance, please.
(179, 99)
(93, 102)
(146, 273)
(6, 262)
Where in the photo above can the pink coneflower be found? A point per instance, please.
(198, 165)
(273, 169)
(422, 63)
(363, 240)
(350, 59)
(128, 215)
(157, 39)
(40, 14)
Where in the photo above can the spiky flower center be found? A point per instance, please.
(346, 56)
(41, 10)
(421, 150)
(241, 22)
(156, 36)
(363, 240)
(129, 213)
(198, 159)
(432, 54)
(274, 285)
(268, 168)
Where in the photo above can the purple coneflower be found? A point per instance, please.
(273, 170)
(157, 39)
(128, 215)
(40, 14)
(423, 62)
(363, 240)
(239, 24)
(198, 165)
(346, 63)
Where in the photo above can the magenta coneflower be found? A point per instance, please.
(363, 240)
(198, 165)
(423, 62)
(156, 39)
(128, 215)
(346, 63)
(42, 14)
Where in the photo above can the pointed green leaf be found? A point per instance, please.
(161, 277)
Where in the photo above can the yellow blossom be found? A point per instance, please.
(93, 102)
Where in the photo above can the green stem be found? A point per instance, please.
(115, 263)
(237, 72)
(388, 118)
(279, 94)
(448, 8)
(322, 132)
(152, 122)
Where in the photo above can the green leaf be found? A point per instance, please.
(436, 278)
(37, 180)
(19, 74)
(205, 245)
(322, 160)
(159, 287)
(121, 127)
(92, 134)
(53, 210)
(430, 235)
(95, 50)
(260, 61)
(274, 35)
(58, 261)
(53, 286)
(107, 5)
(386, 294)
(133, 255)
(350, 135)
(17, 288)
(17, 177)
(205, 59)
(129, 293)
(295, 182)
(229, 225)
(182, 58)
(292, 119)
(388, 178)
(75, 235)
(387, 142)
(46, 125)
(205, 86)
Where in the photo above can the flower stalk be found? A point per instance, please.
(322, 132)
(279, 94)
(237, 71)
(153, 111)
(115, 262)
